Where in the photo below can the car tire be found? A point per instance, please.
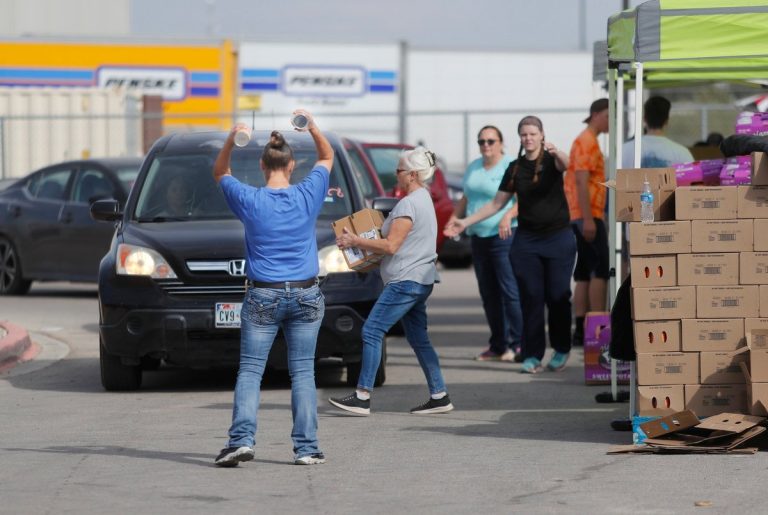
(11, 279)
(115, 375)
(353, 369)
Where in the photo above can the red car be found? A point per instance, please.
(380, 160)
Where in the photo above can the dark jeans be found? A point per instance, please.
(498, 291)
(543, 265)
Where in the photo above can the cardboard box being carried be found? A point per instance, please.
(365, 223)
(629, 185)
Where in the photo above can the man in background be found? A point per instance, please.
(586, 202)
(658, 151)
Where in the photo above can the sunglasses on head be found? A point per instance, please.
(489, 142)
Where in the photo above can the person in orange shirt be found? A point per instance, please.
(586, 202)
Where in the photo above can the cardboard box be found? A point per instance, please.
(712, 269)
(668, 368)
(753, 267)
(750, 324)
(763, 300)
(597, 360)
(649, 271)
(759, 169)
(721, 236)
(752, 201)
(660, 400)
(629, 185)
(660, 238)
(656, 336)
(365, 223)
(664, 303)
(712, 334)
(721, 367)
(760, 242)
(727, 301)
(757, 353)
(757, 398)
(710, 400)
(705, 203)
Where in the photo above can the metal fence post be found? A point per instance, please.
(465, 120)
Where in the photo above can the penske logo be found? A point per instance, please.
(344, 81)
(169, 83)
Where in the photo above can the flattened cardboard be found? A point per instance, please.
(731, 422)
(705, 202)
(654, 336)
(650, 271)
(712, 334)
(664, 303)
(709, 236)
(711, 269)
(727, 301)
(670, 424)
(660, 238)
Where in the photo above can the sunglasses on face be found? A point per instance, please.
(489, 142)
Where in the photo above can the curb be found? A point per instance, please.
(14, 343)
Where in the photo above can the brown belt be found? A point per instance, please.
(284, 285)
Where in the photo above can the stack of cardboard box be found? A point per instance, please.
(699, 288)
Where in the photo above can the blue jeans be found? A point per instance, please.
(299, 312)
(543, 266)
(496, 281)
(404, 300)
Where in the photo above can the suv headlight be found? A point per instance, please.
(135, 260)
(331, 260)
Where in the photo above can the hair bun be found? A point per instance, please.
(276, 139)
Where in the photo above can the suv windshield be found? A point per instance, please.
(181, 186)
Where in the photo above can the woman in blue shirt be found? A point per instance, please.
(282, 267)
(491, 241)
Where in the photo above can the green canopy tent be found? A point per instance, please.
(673, 42)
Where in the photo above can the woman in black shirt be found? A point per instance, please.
(544, 247)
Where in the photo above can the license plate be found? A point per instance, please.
(228, 314)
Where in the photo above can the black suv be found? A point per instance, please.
(172, 283)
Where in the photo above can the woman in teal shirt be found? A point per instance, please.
(491, 242)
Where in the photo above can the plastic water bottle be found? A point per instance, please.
(646, 203)
(242, 137)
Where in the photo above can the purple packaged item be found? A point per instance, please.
(736, 171)
(755, 124)
(597, 360)
(705, 172)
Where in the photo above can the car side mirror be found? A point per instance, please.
(384, 204)
(106, 210)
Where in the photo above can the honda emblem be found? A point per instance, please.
(237, 267)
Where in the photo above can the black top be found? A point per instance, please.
(542, 206)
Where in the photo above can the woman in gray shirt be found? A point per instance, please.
(408, 271)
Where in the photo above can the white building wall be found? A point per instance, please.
(495, 88)
(79, 18)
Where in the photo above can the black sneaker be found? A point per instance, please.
(231, 456)
(353, 404)
(434, 406)
(311, 459)
(518, 354)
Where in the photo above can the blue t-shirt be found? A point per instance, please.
(480, 187)
(279, 226)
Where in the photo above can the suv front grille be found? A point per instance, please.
(179, 288)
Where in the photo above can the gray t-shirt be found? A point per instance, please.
(415, 259)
